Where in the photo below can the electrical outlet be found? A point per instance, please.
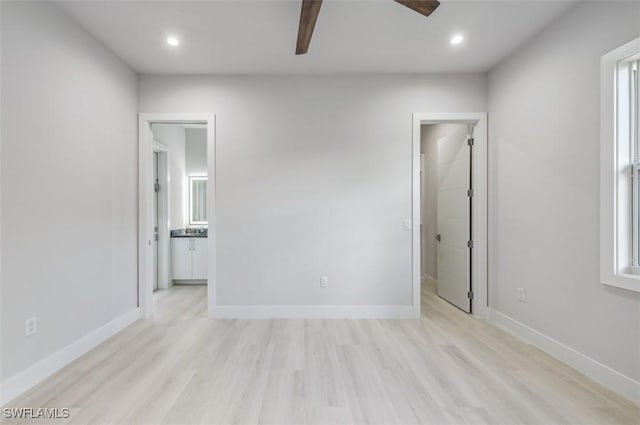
(522, 296)
(324, 281)
(31, 326)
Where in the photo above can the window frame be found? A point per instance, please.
(635, 218)
(634, 140)
(619, 231)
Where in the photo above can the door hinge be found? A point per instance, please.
(156, 187)
(470, 142)
(470, 295)
(470, 193)
(470, 244)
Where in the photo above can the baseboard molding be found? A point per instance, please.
(313, 312)
(23, 381)
(610, 378)
(427, 277)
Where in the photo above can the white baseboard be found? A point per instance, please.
(428, 279)
(23, 381)
(313, 312)
(426, 276)
(595, 370)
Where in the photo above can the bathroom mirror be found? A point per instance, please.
(197, 200)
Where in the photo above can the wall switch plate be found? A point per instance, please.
(30, 326)
(406, 225)
(324, 281)
(522, 296)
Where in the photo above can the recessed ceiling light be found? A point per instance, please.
(172, 41)
(457, 39)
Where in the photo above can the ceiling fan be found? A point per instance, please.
(311, 8)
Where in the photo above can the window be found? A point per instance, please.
(630, 69)
(620, 167)
(627, 94)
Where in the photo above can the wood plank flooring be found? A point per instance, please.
(446, 368)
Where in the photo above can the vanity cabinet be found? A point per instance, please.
(189, 258)
(199, 259)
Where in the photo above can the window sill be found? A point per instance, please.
(630, 282)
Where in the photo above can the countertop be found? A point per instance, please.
(189, 233)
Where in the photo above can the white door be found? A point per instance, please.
(454, 219)
(200, 259)
(154, 221)
(181, 258)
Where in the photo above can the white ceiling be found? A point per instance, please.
(351, 36)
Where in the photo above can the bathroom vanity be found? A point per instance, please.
(189, 256)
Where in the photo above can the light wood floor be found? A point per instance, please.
(447, 368)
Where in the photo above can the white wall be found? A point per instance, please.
(69, 173)
(313, 177)
(196, 152)
(544, 178)
(173, 136)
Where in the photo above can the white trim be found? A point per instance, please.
(611, 272)
(312, 312)
(610, 378)
(145, 199)
(160, 147)
(23, 381)
(211, 213)
(479, 280)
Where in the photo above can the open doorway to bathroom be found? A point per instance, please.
(185, 144)
(176, 210)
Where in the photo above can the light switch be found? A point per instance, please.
(31, 326)
(522, 296)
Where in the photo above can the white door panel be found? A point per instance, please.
(451, 204)
(453, 218)
(452, 275)
(455, 174)
(457, 233)
(455, 146)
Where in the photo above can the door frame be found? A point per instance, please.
(145, 200)
(479, 256)
(164, 267)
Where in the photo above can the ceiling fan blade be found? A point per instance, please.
(308, 17)
(423, 7)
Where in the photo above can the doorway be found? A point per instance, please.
(450, 208)
(446, 210)
(176, 229)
